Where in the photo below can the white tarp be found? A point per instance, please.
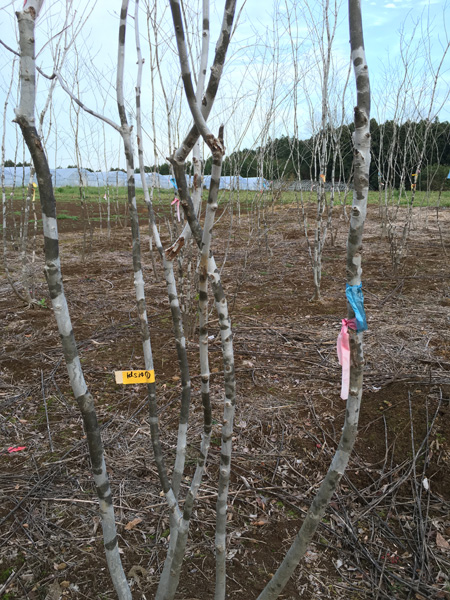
(234, 182)
(63, 177)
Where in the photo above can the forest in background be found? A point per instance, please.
(287, 157)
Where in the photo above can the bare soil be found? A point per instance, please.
(387, 531)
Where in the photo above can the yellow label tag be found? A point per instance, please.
(135, 376)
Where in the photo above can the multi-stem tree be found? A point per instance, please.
(209, 276)
(361, 141)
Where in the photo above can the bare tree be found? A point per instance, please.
(179, 522)
(316, 79)
(413, 98)
(354, 247)
(26, 121)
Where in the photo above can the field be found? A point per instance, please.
(387, 532)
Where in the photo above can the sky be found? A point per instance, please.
(256, 100)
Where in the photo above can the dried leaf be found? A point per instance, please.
(260, 502)
(54, 591)
(131, 524)
(311, 556)
(441, 542)
(96, 521)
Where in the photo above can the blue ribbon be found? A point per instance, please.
(356, 300)
(173, 182)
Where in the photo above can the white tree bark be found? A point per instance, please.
(205, 106)
(25, 119)
(354, 247)
(167, 585)
(217, 148)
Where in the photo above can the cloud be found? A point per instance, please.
(390, 6)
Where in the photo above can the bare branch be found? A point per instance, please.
(83, 106)
(8, 48)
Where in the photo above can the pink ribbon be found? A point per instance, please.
(12, 449)
(343, 352)
(177, 202)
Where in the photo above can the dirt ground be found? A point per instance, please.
(387, 532)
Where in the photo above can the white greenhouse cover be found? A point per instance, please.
(63, 177)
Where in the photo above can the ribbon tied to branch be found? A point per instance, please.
(343, 352)
(177, 202)
(355, 298)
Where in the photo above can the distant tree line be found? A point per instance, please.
(11, 163)
(164, 169)
(400, 145)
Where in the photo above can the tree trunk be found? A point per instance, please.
(26, 121)
(354, 246)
